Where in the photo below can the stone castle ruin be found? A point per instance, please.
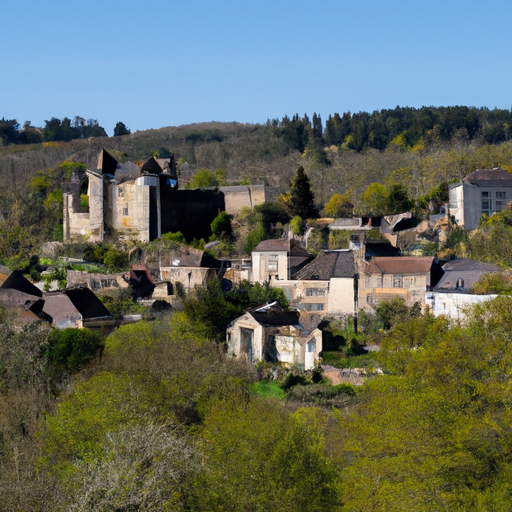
(145, 202)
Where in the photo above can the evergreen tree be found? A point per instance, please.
(121, 129)
(301, 199)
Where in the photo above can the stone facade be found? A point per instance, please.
(144, 203)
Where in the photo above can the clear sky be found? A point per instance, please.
(157, 63)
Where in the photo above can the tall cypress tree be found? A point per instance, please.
(302, 200)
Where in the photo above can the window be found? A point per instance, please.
(398, 282)
(501, 201)
(310, 347)
(125, 210)
(316, 292)
(486, 203)
(313, 307)
(272, 262)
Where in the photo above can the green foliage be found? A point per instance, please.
(300, 200)
(393, 311)
(495, 282)
(119, 303)
(269, 389)
(492, 242)
(270, 214)
(203, 178)
(457, 236)
(22, 362)
(259, 459)
(339, 206)
(69, 350)
(115, 259)
(374, 200)
(296, 225)
(210, 310)
(177, 237)
(254, 237)
(221, 226)
(339, 239)
(121, 129)
(317, 240)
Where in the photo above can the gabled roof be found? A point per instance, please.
(461, 274)
(400, 265)
(60, 308)
(496, 177)
(17, 281)
(27, 307)
(87, 303)
(107, 164)
(291, 247)
(328, 264)
(465, 264)
(151, 166)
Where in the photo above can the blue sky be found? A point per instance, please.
(157, 63)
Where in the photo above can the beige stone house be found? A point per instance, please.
(406, 277)
(269, 333)
(326, 285)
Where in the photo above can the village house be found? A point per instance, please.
(19, 296)
(452, 294)
(483, 192)
(406, 277)
(326, 285)
(269, 333)
(274, 260)
(77, 308)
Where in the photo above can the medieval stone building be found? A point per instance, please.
(144, 203)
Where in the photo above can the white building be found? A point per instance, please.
(482, 192)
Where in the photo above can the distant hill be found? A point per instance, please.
(418, 148)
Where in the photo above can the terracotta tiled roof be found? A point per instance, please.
(400, 265)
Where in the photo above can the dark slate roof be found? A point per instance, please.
(465, 264)
(107, 164)
(151, 167)
(328, 264)
(400, 265)
(18, 281)
(87, 303)
(496, 177)
(461, 274)
(274, 315)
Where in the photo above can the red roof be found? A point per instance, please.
(400, 265)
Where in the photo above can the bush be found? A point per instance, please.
(70, 350)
